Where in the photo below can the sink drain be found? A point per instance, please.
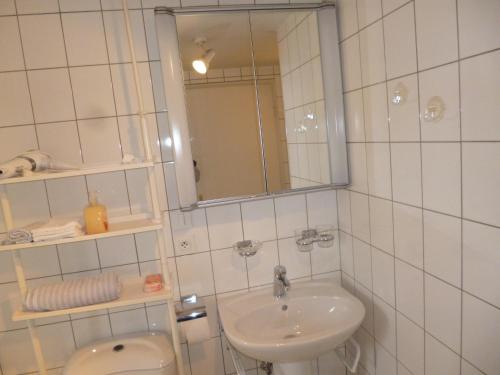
(290, 336)
(284, 307)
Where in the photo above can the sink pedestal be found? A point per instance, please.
(293, 368)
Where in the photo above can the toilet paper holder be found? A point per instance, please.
(190, 307)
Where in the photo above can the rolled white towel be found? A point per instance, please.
(74, 293)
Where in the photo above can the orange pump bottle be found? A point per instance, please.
(95, 216)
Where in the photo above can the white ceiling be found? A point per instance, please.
(230, 35)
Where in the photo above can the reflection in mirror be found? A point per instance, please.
(288, 42)
(221, 104)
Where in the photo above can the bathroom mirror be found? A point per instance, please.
(255, 101)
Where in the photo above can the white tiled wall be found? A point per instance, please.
(66, 87)
(420, 224)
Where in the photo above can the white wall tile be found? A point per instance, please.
(28, 203)
(400, 45)
(93, 91)
(442, 247)
(79, 256)
(437, 38)
(439, 359)
(347, 18)
(129, 321)
(481, 334)
(344, 210)
(15, 104)
(34, 6)
(410, 292)
(117, 251)
(440, 82)
(191, 226)
(7, 7)
(117, 4)
(260, 266)
(346, 253)
(49, 136)
(441, 180)
(479, 85)
(124, 89)
(481, 261)
(383, 276)
(468, 369)
(10, 41)
(481, 177)
(354, 117)
(386, 363)
(372, 54)
(408, 237)
(42, 39)
(195, 274)
(116, 36)
(67, 197)
(130, 136)
(84, 38)
(379, 169)
(478, 25)
(259, 222)
(368, 11)
(100, 141)
(362, 263)
(51, 95)
(77, 5)
(224, 226)
(350, 61)
(290, 214)
(357, 167)
(406, 173)
(91, 329)
(443, 312)
(375, 110)
(360, 216)
(298, 264)
(206, 357)
(404, 117)
(322, 208)
(385, 324)
(230, 271)
(112, 192)
(390, 5)
(381, 224)
(366, 297)
(410, 338)
(327, 259)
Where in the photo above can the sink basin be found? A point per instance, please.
(314, 318)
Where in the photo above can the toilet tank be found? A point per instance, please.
(136, 354)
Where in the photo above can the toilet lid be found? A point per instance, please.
(138, 352)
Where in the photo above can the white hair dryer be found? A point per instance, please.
(31, 161)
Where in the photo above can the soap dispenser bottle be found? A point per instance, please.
(95, 216)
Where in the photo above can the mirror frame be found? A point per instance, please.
(172, 72)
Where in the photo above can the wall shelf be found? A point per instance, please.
(41, 176)
(131, 294)
(115, 229)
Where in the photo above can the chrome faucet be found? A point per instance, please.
(281, 283)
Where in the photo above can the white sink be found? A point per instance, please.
(314, 318)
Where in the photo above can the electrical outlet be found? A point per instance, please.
(185, 244)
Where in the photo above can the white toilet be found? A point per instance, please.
(136, 354)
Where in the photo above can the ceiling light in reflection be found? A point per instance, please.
(202, 64)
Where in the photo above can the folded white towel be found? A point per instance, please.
(74, 293)
(55, 229)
